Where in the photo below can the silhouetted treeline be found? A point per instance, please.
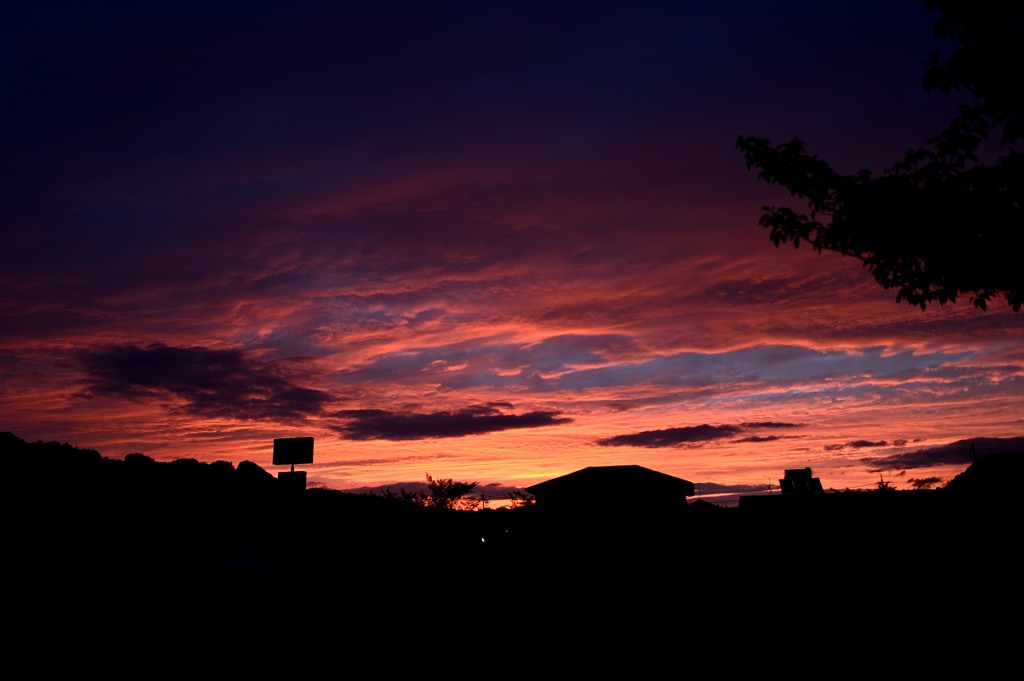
(83, 520)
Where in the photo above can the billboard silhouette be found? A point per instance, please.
(293, 450)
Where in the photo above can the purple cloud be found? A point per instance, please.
(671, 437)
(770, 424)
(380, 424)
(674, 437)
(224, 383)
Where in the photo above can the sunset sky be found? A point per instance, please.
(492, 241)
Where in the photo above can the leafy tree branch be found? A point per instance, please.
(939, 224)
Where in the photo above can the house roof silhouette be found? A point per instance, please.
(628, 486)
(800, 481)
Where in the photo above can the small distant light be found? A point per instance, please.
(482, 539)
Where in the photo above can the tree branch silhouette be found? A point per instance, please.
(941, 223)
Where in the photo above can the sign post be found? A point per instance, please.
(290, 451)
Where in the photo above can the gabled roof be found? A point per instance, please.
(628, 479)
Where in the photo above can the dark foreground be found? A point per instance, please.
(219, 547)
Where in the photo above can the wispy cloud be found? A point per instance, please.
(367, 221)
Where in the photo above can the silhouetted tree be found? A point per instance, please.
(941, 223)
(470, 504)
(445, 492)
(402, 495)
(518, 498)
(440, 493)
